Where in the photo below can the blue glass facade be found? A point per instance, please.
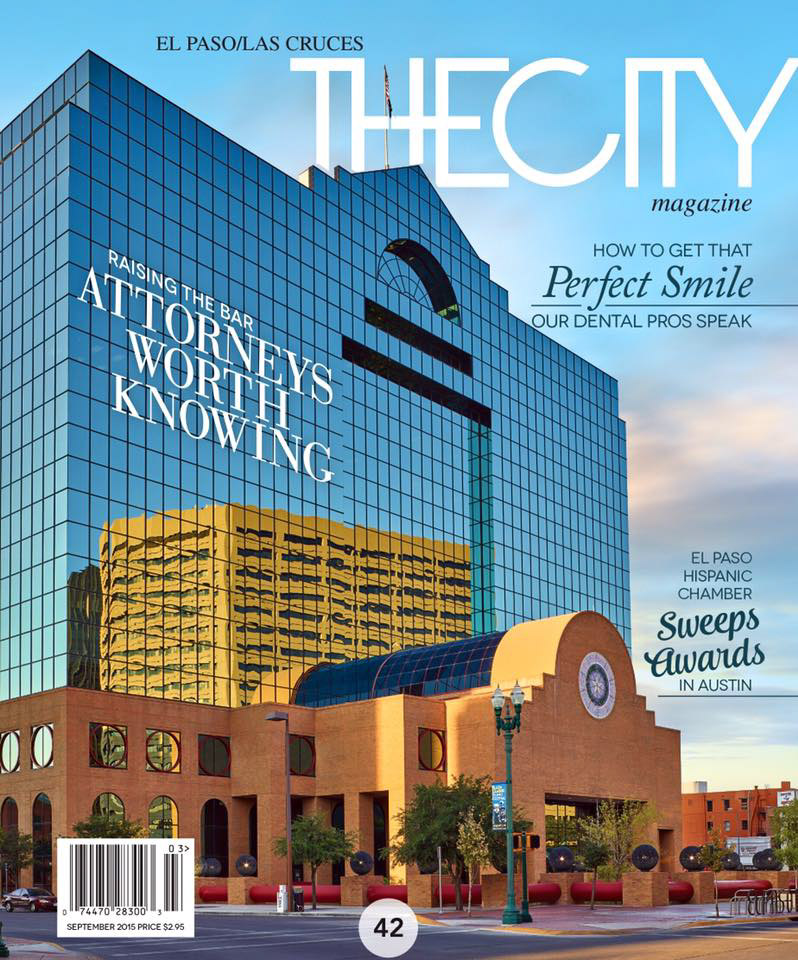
(250, 424)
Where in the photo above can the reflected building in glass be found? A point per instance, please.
(251, 424)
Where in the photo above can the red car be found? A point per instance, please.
(29, 898)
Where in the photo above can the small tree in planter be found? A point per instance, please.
(432, 818)
(473, 846)
(711, 857)
(594, 854)
(16, 852)
(313, 842)
(618, 827)
(785, 835)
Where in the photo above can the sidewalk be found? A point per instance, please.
(609, 919)
(546, 919)
(269, 909)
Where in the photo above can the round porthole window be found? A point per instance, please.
(431, 750)
(597, 685)
(9, 752)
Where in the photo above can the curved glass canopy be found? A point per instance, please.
(416, 671)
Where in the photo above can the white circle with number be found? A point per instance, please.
(597, 685)
(388, 928)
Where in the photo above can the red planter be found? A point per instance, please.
(449, 891)
(728, 888)
(544, 892)
(385, 891)
(263, 893)
(680, 891)
(325, 893)
(214, 894)
(606, 891)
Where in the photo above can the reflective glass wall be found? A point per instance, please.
(250, 424)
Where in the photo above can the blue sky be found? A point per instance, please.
(713, 455)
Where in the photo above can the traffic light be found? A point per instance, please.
(532, 841)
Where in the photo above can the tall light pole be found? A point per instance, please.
(280, 716)
(508, 724)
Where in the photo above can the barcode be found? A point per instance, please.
(124, 875)
(172, 882)
(125, 887)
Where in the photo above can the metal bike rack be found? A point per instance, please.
(767, 903)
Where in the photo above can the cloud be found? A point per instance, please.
(682, 449)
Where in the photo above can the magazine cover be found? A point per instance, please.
(398, 471)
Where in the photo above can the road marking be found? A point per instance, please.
(225, 946)
(265, 943)
(735, 936)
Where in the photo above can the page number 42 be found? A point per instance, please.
(388, 928)
(395, 923)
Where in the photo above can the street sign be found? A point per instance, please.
(499, 799)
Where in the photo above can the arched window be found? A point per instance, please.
(162, 817)
(410, 268)
(9, 822)
(9, 814)
(108, 805)
(42, 842)
(213, 829)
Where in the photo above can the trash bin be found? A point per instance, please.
(299, 899)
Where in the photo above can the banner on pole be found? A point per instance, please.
(499, 798)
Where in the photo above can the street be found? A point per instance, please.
(308, 938)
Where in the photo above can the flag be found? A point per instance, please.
(388, 104)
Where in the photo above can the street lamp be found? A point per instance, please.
(280, 716)
(507, 724)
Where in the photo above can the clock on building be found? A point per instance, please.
(597, 685)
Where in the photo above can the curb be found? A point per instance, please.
(623, 931)
(245, 909)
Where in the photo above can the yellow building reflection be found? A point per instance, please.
(230, 605)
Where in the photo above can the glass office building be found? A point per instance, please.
(251, 424)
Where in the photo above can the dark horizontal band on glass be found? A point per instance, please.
(418, 337)
(406, 377)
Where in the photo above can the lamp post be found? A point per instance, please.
(280, 716)
(507, 724)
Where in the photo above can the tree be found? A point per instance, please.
(313, 842)
(594, 851)
(16, 851)
(619, 827)
(473, 846)
(108, 826)
(784, 835)
(711, 858)
(432, 820)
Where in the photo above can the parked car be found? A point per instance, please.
(29, 898)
